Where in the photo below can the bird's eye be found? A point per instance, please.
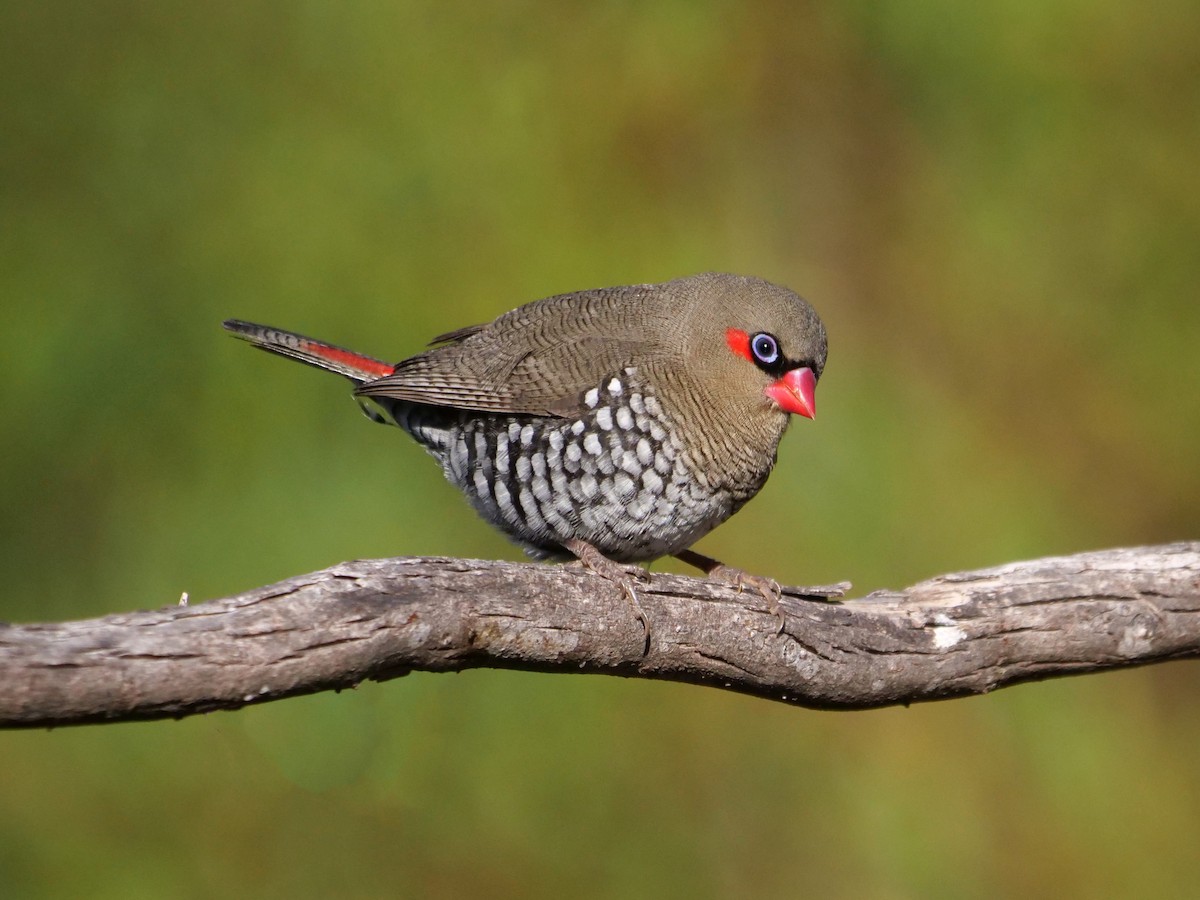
(765, 348)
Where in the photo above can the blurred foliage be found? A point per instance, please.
(996, 209)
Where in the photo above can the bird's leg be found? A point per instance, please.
(621, 573)
(738, 578)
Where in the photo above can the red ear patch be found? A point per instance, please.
(739, 343)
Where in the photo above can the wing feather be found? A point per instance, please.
(538, 359)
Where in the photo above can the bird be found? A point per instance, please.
(613, 426)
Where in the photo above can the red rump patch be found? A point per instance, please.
(739, 343)
(337, 354)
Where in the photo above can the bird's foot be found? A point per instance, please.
(739, 578)
(768, 588)
(622, 574)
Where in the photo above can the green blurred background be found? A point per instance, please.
(996, 209)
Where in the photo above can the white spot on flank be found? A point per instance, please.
(481, 484)
(591, 443)
(651, 481)
(527, 436)
(626, 487)
(624, 419)
(606, 464)
(503, 499)
(577, 427)
(558, 481)
(591, 398)
(604, 418)
(529, 506)
(502, 452)
(614, 386)
(587, 485)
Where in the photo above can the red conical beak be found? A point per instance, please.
(796, 392)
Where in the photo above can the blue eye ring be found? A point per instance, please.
(765, 348)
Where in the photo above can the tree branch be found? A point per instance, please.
(965, 633)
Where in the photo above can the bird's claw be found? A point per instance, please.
(622, 574)
(768, 588)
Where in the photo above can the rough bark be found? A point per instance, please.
(958, 634)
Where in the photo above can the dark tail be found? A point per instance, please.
(355, 366)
